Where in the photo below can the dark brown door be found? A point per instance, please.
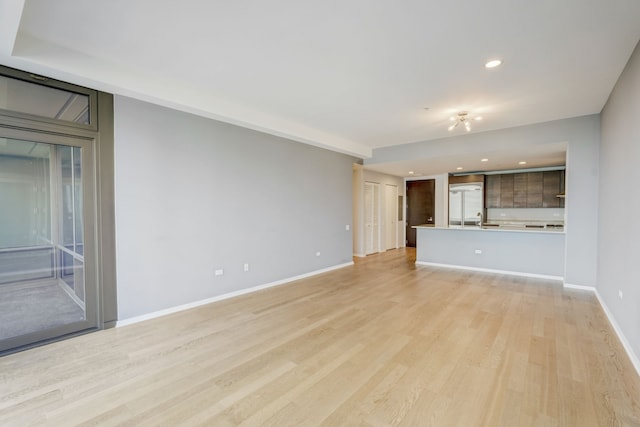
(420, 206)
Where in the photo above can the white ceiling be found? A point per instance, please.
(540, 156)
(349, 75)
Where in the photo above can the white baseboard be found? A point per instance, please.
(579, 287)
(194, 304)
(360, 255)
(489, 270)
(625, 343)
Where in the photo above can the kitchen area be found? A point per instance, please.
(568, 145)
(501, 221)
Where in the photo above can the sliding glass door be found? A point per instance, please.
(47, 237)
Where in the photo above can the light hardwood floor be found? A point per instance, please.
(381, 343)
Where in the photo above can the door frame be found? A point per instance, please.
(409, 233)
(90, 263)
(100, 135)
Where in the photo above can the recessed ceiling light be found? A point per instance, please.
(493, 63)
(484, 160)
(410, 172)
(478, 118)
(522, 163)
(459, 168)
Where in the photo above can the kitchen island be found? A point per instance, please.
(536, 253)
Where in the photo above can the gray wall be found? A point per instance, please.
(582, 136)
(619, 231)
(194, 195)
(581, 204)
(525, 252)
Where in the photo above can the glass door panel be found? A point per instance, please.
(43, 279)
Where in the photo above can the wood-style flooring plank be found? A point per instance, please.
(380, 343)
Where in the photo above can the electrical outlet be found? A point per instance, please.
(347, 227)
(246, 266)
(219, 272)
(620, 293)
(318, 253)
(478, 251)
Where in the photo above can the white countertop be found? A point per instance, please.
(492, 229)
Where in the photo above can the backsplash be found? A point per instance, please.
(552, 215)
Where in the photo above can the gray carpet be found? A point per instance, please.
(31, 308)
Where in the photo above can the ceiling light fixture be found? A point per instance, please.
(410, 172)
(484, 160)
(493, 63)
(459, 168)
(460, 119)
(522, 163)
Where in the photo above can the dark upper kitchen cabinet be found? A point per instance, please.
(520, 190)
(525, 190)
(506, 190)
(492, 191)
(534, 189)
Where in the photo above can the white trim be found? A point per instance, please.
(489, 270)
(194, 304)
(579, 287)
(635, 361)
(360, 255)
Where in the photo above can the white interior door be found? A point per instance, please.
(372, 215)
(391, 216)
